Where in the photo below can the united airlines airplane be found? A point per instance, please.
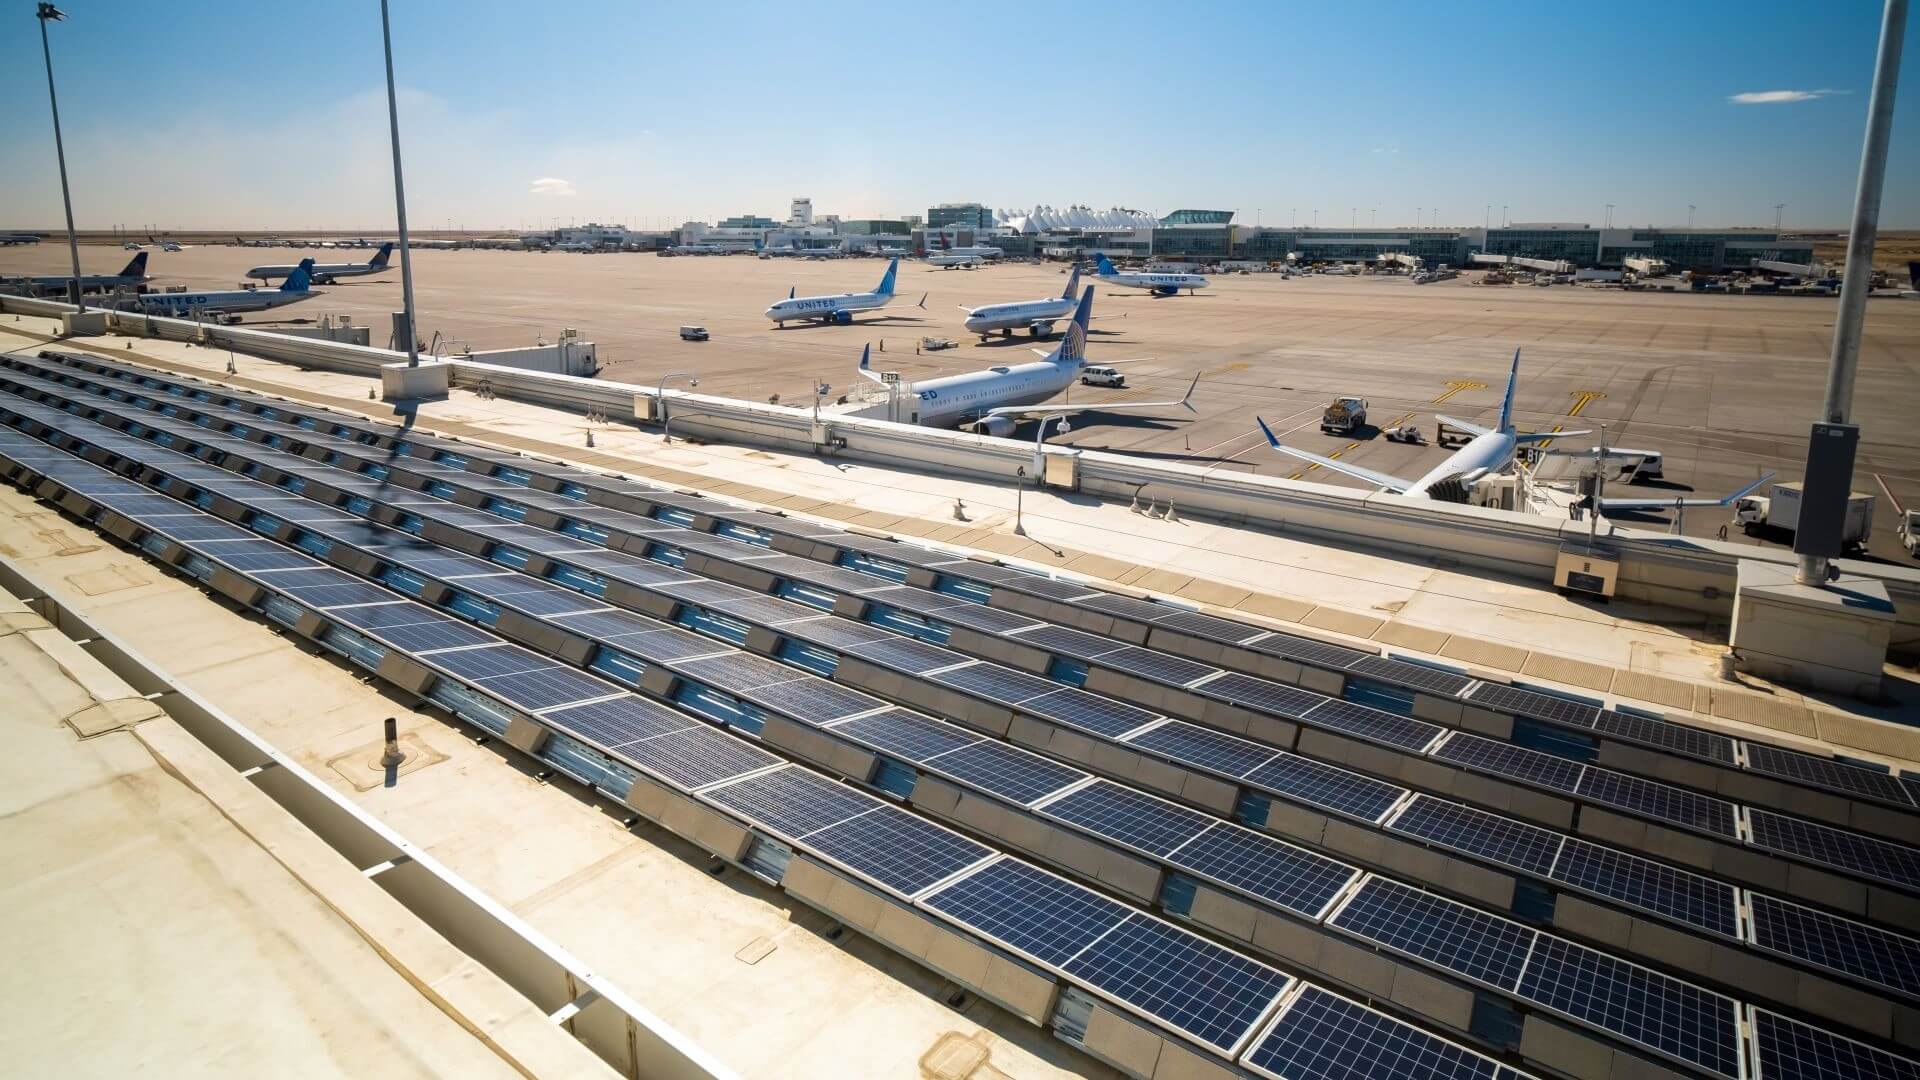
(837, 309)
(130, 275)
(1490, 451)
(233, 301)
(325, 273)
(1036, 317)
(1157, 284)
(994, 401)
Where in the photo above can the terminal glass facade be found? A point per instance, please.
(1198, 217)
(1577, 246)
(960, 215)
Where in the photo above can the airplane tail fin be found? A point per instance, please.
(301, 277)
(380, 257)
(1102, 265)
(866, 365)
(922, 305)
(1073, 345)
(793, 291)
(1506, 404)
(1913, 275)
(886, 283)
(1073, 285)
(136, 267)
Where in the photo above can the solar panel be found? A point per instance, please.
(1053, 588)
(418, 637)
(665, 645)
(1210, 627)
(1476, 832)
(984, 619)
(1374, 725)
(737, 671)
(905, 734)
(905, 654)
(1089, 712)
(1129, 817)
(1456, 937)
(1155, 665)
(1663, 801)
(897, 850)
(488, 662)
(1675, 737)
(340, 595)
(1506, 759)
(1262, 694)
(834, 633)
(1215, 751)
(1318, 784)
(769, 610)
(1649, 886)
(1851, 851)
(1005, 771)
(1181, 980)
(1300, 648)
(1043, 917)
(1826, 773)
(1790, 1050)
(1514, 699)
(1675, 1018)
(1128, 607)
(546, 688)
(1419, 676)
(616, 722)
(812, 700)
(1067, 641)
(1273, 870)
(1323, 1037)
(995, 683)
(792, 801)
(1853, 948)
(258, 561)
(697, 756)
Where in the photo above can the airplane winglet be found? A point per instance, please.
(922, 305)
(1186, 400)
(1506, 404)
(1268, 432)
(792, 291)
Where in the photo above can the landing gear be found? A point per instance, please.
(1007, 333)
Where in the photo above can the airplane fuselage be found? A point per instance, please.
(1018, 316)
(322, 273)
(1160, 283)
(233, 300)
(958, 399)
(825, 308)
(1486, 454)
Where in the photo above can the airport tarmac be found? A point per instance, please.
(1724, 386)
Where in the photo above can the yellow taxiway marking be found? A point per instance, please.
(1452, 389)
(1302, 472)
(1584, 399)
(1455, 387)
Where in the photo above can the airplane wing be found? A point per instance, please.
(1628, 505)
(1019, 412)
(866, 366)
(1462, 424)
(1385, 481)
(1524, 439)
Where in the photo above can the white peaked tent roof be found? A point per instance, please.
(1044, 218)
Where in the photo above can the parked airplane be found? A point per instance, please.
(1490, 451)
(1036, 317)
(995, 400)
(231, 301)
(10, 239)
(948, 259)
(1157, 284)
(1648, 506)
(129, 276)
(836, 309)
(325, 273)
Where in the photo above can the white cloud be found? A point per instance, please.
(552, 185)
(1780, 97)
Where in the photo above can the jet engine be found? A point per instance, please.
(998, 426)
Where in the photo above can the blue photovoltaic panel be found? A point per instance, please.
(1790, 1050)
(1129, 817)
(257, 561)
(1419, 676)
(813, 700)
(485, 663)
(1318, 652)
(341, 595)
(1439, 931)
(1525, 702)
(1657, 800)
(1275, 871)
(1327, 786)
(665, 646)
(984, 619)
(1262, 694)
(1675, 1018)
(1181, 980)
(1676, 737)
(1128, 607)
(1030, 911)
(1324, 1037)
(1854, 948)
(1476, 832)
(1649, 886)
(1506, 759)
(618, 721)
(898, 850)
(792, 801)
(1850, 851)
(995, 683)
(1005, 771)
(905, 654)
(545, 688)
(1374, 725)
(1826, 773)
(735, 671)
(1157, 666)
(905, 734)
(1215, 751)
(1209, 627)
(1088, 712)
(1067, 641)
(1052, 588)
(413, 627)
(697, 756)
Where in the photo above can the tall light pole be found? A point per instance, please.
(1778, 209)
(1609, 223)
(1690, 209)
(1815, 542)
(1039, 468)
(400, 198)
(48, 13)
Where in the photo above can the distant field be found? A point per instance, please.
(1891, 251)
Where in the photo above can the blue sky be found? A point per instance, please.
(209, 114)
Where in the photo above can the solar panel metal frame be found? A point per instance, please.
(1329, 1031)
(697, 757)
(791, 802)
(872, 845)
(1215, 751)
(1507, 841)
(1510, 761)
(1264, 866)
(1677, 738)
(1522, 701)
(1553, 955)
(1788, 929)
(1841, 1058)
(1419, 676)
(1665, 802)
(1376, 725)
(1004, 685)
(1005, 770)
(1881, 860)
(1326, 786)
(904, 734)
(983, 902)
(1430, 928)
(1128, 817)
(1821, 772)
(1076, 708)
(1267, 696)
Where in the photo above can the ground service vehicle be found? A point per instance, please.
(1345, 416)
(693, 333)
(1779, 509)
(1101, 375)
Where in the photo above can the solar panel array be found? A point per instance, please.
(539, 684)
